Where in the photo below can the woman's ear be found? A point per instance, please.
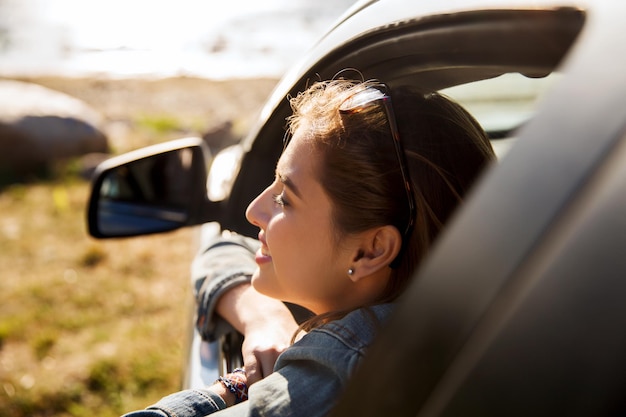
(378, 247)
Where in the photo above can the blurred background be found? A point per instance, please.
(205, 38)
(93, 327)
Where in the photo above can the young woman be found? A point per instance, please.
(361, 191)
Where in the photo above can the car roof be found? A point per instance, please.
(387, 25)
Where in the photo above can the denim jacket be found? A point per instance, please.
(222, 264)
(308, 377)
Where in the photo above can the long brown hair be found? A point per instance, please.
(445, 147)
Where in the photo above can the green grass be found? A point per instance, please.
(167, 125)
(161, 124)
(87, 327)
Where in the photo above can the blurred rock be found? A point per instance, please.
(39, 126)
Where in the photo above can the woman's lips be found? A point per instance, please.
(262, 257)
(263, 254)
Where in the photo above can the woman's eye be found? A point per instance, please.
(279, 199)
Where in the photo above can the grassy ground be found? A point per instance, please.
(96, 328)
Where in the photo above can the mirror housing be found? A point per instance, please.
(155, 189)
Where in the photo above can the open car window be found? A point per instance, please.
(502, 105)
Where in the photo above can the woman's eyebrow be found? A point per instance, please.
(289, 184)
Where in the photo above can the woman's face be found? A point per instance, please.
(299, 261)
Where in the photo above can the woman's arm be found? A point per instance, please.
(193, 402)
(188, 403)
(267, 325)
(310, 376)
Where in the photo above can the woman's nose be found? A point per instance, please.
(255, 213)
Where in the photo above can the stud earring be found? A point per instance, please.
(350, 271)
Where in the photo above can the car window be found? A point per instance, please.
(503, 104)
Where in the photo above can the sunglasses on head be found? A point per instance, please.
(377, 96)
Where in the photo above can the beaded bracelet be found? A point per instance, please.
(236, 384)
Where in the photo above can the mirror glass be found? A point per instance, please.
(148, 195)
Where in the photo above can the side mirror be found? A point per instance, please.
(151, 190)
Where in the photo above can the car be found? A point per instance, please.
(519, 308)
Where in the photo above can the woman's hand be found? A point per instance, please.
(264, 340)
(266, 324)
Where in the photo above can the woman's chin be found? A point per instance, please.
(260, 282)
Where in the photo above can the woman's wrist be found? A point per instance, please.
(232, 387)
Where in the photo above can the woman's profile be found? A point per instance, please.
(368, 178)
